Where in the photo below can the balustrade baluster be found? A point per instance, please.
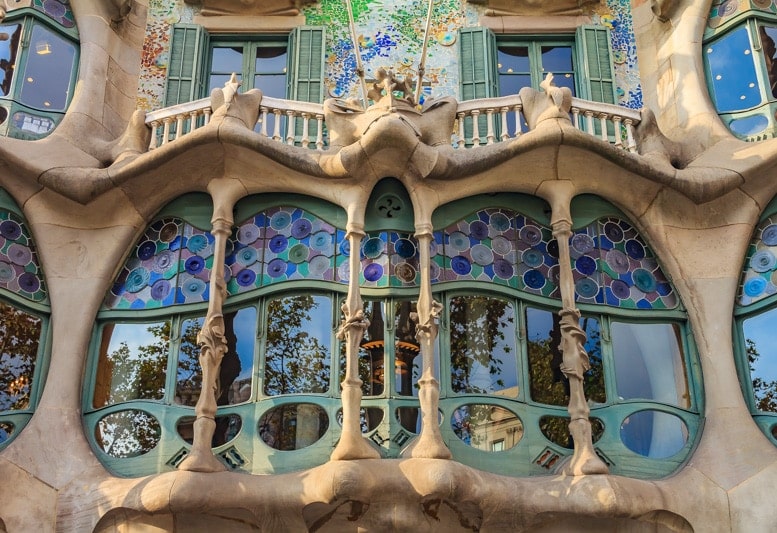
(475, 128)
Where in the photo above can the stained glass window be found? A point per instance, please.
(612, 265)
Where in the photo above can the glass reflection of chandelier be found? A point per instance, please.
(42, 48)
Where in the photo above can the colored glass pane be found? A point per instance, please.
(20, 270)
(612, 265)
(759, 279)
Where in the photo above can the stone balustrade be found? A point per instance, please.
(482, 121)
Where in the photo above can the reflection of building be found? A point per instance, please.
(468, 219)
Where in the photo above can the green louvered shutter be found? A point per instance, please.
(188, 48)
(306, 64)
(594, 60)
(478, 74)
(477, 63)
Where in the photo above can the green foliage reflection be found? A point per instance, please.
(297, 357)
(19, 340)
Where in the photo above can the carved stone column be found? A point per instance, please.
(352, 444)
(213, 346)
(575, 358)
(429, 443)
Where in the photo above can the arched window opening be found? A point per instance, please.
(24, 317)
(39, 55)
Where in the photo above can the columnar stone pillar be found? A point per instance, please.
(352, 444)
(213, 345)
(429, 443)
(575, 359)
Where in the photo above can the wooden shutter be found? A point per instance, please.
(188, 49)
(306, 64)
(478, 74)
(477, 63)
(594, 62)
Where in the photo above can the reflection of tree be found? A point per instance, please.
(139, 374)
(19, 338)
(189, 379)
(548, 383)
(295, 361)
(765, 392)
(478, 325)
(127, 433)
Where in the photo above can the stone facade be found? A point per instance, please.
(90, 189)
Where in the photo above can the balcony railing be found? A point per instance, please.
(478, 122)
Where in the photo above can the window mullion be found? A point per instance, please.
(535, 63)
(608, 360)
(249, 65)
(173, 350)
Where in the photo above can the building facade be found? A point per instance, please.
(387, 265)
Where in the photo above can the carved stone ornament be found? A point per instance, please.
(537, 7)
(249, 7)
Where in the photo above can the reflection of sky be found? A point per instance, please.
(761, 330)
(732, 68)
(134, 335)
(245, 330)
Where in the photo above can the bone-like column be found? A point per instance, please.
(575, 359)
(352, 444)
(213, 346)
(429, 443)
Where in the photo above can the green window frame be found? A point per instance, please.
(746, 98)
(754, 312)
(591, 60)
(501, 382)
(532, 421)
(193, 51)
(40, 61)
(25, 335)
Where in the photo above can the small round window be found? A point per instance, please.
(487, 427)
(293, 426)
(127, 433)
(654, 434)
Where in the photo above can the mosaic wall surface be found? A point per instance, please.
(20, 270)
(390, 34)
(499, 246)
(612, 265)
(759, 279)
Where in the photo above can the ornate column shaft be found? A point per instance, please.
(575, 358)
(352, 444)
(213, 346)
(429, 443)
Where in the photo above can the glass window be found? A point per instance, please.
(9, 47)
(298, 352)
(483, 345)
(733, 72)
(649, 363)
(19, 341)
(236, 367)
(48, 71)
(548, 383)
(258, 64)
(526, 65)
(132, 363)
(762, 363)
